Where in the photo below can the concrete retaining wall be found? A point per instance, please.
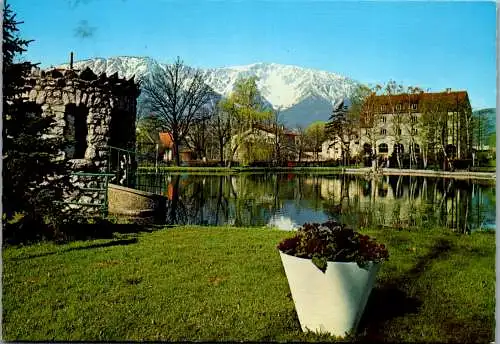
(425, 173)
(132, 202)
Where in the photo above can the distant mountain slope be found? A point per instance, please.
(491, 117)
(303, 95)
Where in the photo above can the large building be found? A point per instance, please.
(411, 122)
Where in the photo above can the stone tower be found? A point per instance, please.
(93, 111)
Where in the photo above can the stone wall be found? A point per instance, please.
(91, 110)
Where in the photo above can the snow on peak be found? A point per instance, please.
(282, 86)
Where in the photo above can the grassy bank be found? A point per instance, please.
(317, 171)
(227, 170)
(200, 283)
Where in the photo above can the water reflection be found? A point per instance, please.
(289, 200)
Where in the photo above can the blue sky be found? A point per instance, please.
(429, 44)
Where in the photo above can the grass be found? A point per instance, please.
(227, 170)
(200, 283)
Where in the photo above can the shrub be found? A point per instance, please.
(332, 241)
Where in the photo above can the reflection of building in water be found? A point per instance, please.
(398, 201)
(378, 200)
(392, 201)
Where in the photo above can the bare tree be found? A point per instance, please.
(198, 138)
(176, 97)
(301, 142)
(435, 117)
(281, 145)
(411, 121)
(367, 108)
(392, 92)
(221, 129)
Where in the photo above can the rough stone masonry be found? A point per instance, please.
(93, 111)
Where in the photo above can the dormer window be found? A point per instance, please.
(382, 108)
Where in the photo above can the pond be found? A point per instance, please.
(286, 200)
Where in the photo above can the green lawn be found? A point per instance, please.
(226, 170)
(200, 283)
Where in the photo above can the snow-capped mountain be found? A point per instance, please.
(303, 95)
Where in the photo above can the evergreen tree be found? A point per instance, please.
(342, 128)
(32, 182)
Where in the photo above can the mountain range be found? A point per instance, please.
(302, 95)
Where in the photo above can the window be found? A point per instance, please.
(382, 108)
(414, 106)
(76, 129)
(383, 148)
(399, 148)
(414, 131)
(383, 132)
(398, 131)
(384, 119)
(398, 107)
(413, 119)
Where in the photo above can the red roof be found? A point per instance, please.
(399, 103)
(166, 140)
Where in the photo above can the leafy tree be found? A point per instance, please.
(316, 134)
(481, 128)
(492, 140)
(245, 108)
(176, 97)
(148, 128)
(34, 173)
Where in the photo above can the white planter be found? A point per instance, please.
(332, 301)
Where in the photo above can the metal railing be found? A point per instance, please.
(104, 189)
(121, 169)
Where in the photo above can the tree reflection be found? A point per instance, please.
(387, 201)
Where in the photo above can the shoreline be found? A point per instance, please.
(425, 173)
(329, 170)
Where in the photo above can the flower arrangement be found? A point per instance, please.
(332, 241)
